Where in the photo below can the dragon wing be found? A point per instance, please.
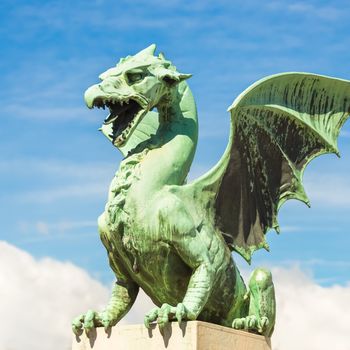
(278, 125)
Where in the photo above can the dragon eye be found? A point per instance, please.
(134, 77)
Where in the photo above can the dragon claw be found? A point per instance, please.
(238, 323)
(77, 325)
(180, 312)
(151, 317)
(264, 323)
(165, 314)
(92, 319)
(251, 323)
(107, 323)
(89, 321)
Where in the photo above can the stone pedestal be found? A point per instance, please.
(193, 335)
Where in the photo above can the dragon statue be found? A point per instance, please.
(175, 239)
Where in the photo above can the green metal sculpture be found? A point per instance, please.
(173, 239)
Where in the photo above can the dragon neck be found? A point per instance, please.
(173, 147)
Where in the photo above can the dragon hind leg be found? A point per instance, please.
(262, 304)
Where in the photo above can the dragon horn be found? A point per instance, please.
(148, 51)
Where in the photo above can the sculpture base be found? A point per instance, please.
(194, 335)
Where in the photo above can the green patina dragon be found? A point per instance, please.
(173, 239)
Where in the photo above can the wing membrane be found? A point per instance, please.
(278, 126)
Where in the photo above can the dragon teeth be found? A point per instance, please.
(120, 139)
(110, 119)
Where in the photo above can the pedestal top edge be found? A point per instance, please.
(197, 324)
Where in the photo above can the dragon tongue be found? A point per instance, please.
(110, 119)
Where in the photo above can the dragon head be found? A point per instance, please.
(130, 90)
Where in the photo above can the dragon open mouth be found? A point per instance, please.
(124, 115)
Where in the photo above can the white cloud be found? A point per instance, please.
(329, 13)
(328, 189)
(63, 192)
(142, 305)
(50, 168)
(42, 227)
(69, 225)
(323, 12)
(39, 298)
(47, 113)
(62, 226)
(310, 316)
(90, 179)
(292, 228)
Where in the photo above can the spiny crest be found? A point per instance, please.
(143, 55)
(158, 65)
(123, 59)
(148, 51)
(147, 56)
(161, 56)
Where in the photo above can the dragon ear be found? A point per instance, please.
(171, 77)
(148, 51)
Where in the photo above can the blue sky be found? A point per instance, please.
(54, 165)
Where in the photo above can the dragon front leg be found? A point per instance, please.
(199, 289)
(123, 295)
(122, 298)
(194, 253)
(197, 294)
